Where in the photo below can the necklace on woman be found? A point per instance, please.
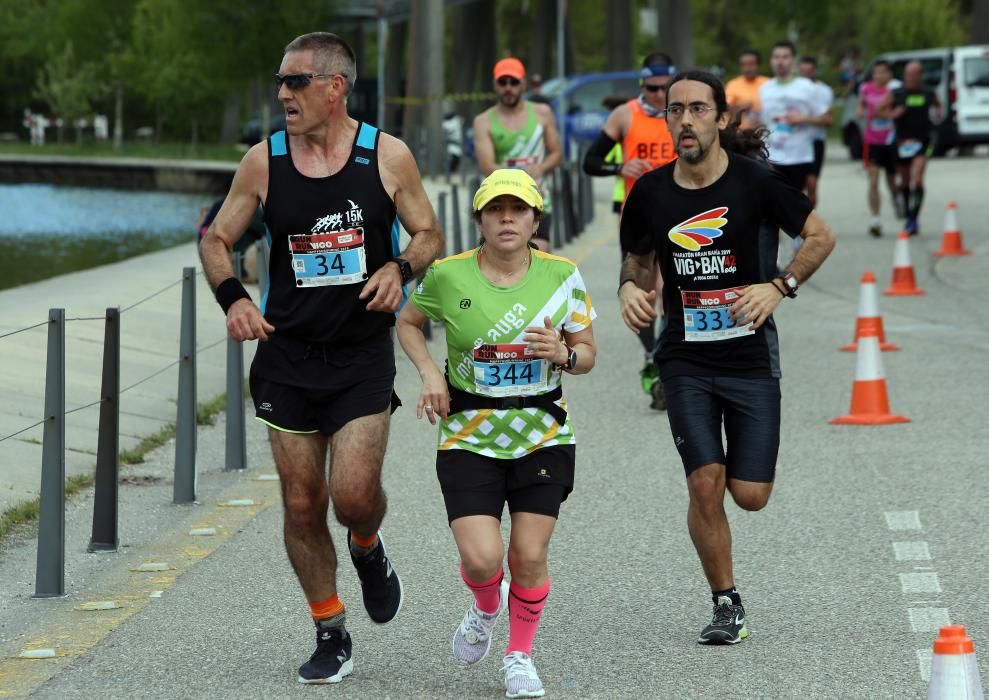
(501, 277)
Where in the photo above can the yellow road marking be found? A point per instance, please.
(72, 632)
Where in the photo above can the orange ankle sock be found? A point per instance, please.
(323, 609)
(364, 542)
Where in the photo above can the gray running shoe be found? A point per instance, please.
(727, 624)
(472, 639)
(521, 679)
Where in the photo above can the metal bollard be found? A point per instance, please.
(105, 497)
(556, 234)
(458, 240)
(184, 487)
(235, 446)
(569, 223)
(49, 580)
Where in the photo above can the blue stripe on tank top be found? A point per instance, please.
(395, 250)
(278, 145)
(267, 277)
(365, 137)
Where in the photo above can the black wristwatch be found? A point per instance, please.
(405, 268)
(791, 284)
(571, 360)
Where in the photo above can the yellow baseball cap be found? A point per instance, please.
(511, 181)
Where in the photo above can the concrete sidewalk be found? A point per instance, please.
(834, 607)
(149, 342)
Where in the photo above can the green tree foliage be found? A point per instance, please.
(66, 85)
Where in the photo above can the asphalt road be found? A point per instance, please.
(873, 537)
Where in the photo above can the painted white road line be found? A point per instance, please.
(924, 658)
(926, 620)
(911, 551)
(903, 520)
(920, 583)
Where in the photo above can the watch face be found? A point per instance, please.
(791, 282)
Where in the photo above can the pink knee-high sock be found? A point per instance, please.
(487, 594)
(525, 607)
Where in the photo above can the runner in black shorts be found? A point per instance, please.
(516, 320)
(912, 107)
(322, 377)
(704, 217)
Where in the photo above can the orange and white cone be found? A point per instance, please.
(954, 669)
(869, 316)
(870, 404)
(904, 283)
(951, 240)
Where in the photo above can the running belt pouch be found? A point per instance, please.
(464, 400)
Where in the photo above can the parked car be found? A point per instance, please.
(959, 77)
(577, 102)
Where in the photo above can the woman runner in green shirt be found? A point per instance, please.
(515, 319)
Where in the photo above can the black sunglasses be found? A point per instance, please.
(654, 88)
(506, 81)
(298, 81)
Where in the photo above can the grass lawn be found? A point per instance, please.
(131, 149)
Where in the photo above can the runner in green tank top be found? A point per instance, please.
(516, 133)
(516, 319)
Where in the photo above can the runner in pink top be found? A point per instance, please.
(875, 107)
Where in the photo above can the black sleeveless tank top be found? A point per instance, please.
(327, 236)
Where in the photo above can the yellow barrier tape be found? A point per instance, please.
(453, 96)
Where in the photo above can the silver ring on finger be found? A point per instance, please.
(428, 408)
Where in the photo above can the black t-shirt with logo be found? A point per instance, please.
(915, 122)
(710, 242)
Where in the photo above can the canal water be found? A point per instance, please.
(48, 230)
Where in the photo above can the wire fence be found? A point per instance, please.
(147, 378)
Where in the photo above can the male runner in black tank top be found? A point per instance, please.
(323, 374)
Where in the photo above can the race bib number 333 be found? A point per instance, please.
(706, 317)
(508, 370)
(322, 259)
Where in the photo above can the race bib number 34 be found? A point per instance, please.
(321, 259)
(508, 370)
(706, 317)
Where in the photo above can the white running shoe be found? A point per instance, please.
(472, 638)
(521, 679)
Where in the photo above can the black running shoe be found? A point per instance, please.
(332, 659)
(727, 624)
(380, 584)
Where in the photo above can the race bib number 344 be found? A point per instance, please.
(508, 370)
(322, 259)
(706, 317)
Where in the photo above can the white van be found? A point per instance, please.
(959, 77)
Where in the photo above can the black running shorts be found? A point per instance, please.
(883, 157)
(749, 409)
(796, 174)
(473, 484)
(303, 388)
(819, 145)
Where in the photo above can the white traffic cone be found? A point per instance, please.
(954, 669)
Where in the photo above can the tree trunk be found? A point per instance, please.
(411, 115)
(195, 136)
(619, 41)
(433, 84)
(118, 118)
(980, 22)
(466, 50)
(394, 69)
(230, 128)
(570, 52)
(540, 59)
(675, 27)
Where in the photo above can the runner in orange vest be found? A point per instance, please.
(639, 125)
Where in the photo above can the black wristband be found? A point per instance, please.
(777, 287)
(623, 282)
(229, 291)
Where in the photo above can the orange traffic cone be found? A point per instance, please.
(870, 405)
(869, 316)
(904, 283)
(951, 241)
(954, 669)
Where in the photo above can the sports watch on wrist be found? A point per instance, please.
(791, 284)
(571, 360)
(404, 268)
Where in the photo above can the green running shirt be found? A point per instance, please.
(517, 149)
(485, 325)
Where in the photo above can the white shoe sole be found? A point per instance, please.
(345, 670)
(501, 609)
(526, 694)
